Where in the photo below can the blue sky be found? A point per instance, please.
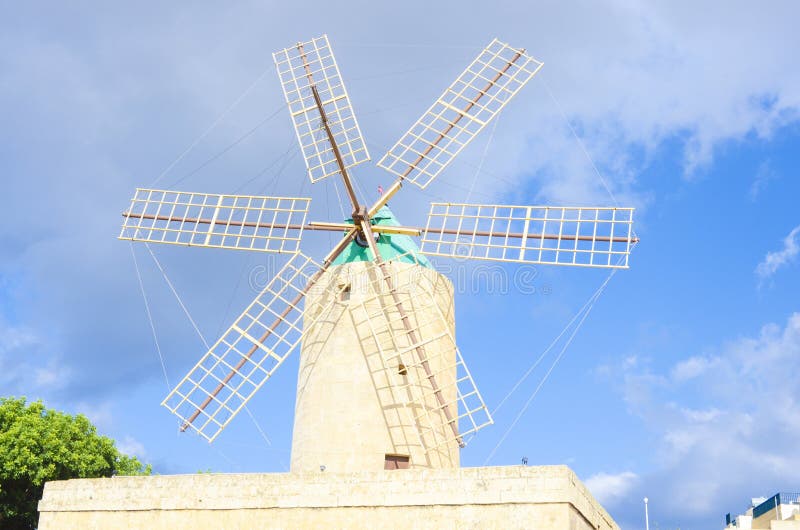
(681, 384)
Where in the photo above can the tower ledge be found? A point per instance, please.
(510, 497)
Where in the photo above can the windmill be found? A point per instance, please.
(381, 382)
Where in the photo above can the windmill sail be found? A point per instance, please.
(403, 322)
(241, 222)
(393, 350)
(580, 236)
(304, 69)
(248, 353)
(461, 112)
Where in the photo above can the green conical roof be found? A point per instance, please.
(394, 247)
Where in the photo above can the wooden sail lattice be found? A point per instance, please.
(248, 353)
(312, 64)
(400, 320)
(557, 235)
(239, 222)
(461, 112)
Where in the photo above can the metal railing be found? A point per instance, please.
(774, 502)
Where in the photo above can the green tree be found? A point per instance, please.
(39, 444)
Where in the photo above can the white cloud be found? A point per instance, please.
(774, 261)
(764, 175)
(27, 366)
(100, 414)
(691, 368)
(666, 72)
(15, 338)
(54, 375)
(131, 447)
(727, 425)
(610, 488)
(700, 416)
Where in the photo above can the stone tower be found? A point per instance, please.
(358, 392)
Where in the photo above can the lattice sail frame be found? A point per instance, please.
(381, 331)
(293, 72)
(558, 235)
(461, 112)
(248, 353)
(426, 149)
(240, 222)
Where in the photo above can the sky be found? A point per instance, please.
(680, 384)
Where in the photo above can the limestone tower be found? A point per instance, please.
(358, 406)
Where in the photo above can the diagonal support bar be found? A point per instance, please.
(460, 113)
(293, 68)
(280, 319)
(325, 125)
(419, 348)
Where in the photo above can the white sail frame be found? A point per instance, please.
(555, 235)
(312, 63)
(461, 112)
(238, 222)
(222, 382)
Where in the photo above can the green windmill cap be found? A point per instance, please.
(393, 247)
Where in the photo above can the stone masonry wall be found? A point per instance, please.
(544, 497)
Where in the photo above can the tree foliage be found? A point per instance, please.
(39, 444)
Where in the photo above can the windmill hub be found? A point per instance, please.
(361, 239)
(360, 215)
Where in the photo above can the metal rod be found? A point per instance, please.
(348, 185)
(461, 114)
(345, 176)
(529, 235)
(293, 304)
(203, 221)
(412, 335)
(420, 230)
(381, 229)
(388, 194)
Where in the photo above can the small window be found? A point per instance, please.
(396, 462)
(344, 296)
(401, 369)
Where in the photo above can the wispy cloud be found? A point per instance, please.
(740, 442)
(27, 364)
(14, 338)
(764, 175)
(691, 368)
(609, 488)
(100, 414)
(54, 376)
(132, 447)
(774, 261)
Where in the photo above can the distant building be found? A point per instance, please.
(779, 512)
